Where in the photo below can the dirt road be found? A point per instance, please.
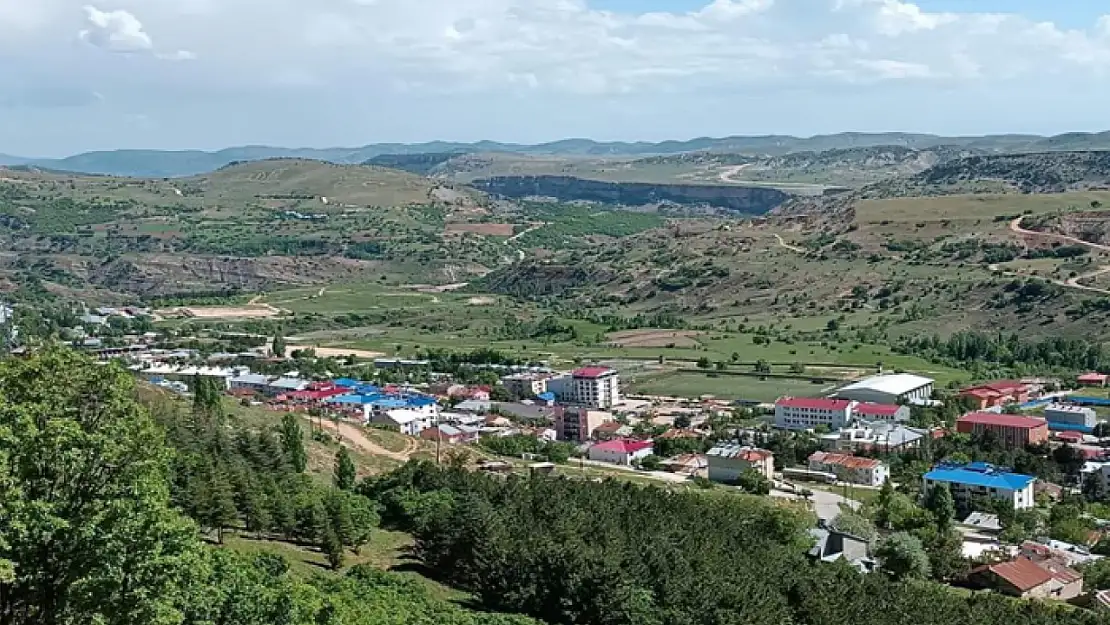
(794, 248)
(729, 173)
(1071, 283)
(353, 435)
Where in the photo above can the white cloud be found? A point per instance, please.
(478, 52)
(115, 31)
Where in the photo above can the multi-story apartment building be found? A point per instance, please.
(979, 479)
(846, 468)
(596, 387)
(1013, 431)
(803, 413)
(578, 423)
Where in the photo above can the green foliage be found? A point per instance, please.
(903, 557)
(278, 346)
(292, 442)
(345, 472)
(754, 482)
(519, 444)
(855, 524)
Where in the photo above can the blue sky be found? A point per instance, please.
(175, 74)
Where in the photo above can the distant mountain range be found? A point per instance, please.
(168, 164)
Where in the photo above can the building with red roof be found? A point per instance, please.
(1013, 431)
(998, 393)
(595, 386)
(848, 468)
(1030, 579)
(806, 413)
(1092, 379)
(624, 451)
(867, 411)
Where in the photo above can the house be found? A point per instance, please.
(878, 436)
(806, 413)
(997, 394)
(832, 545)
(256, 383)
(1013, 431)
(610, 430)
(892, 388)
(686, 464)
(979, 479)
(286, 385)
(1019, 577)
(728, 462)
(623, 451)
(475, 406)
(411, 422)
(595, 387)
(450, 434)
(867, 411)
(866, 471)
(983, 523)
(1059, 551)
(1070, 418)
(578, 423)
(1092, 379)
(525, 385)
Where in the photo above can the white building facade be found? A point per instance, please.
(807, 413)
(596, 387)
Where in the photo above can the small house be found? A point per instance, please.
(622, 451)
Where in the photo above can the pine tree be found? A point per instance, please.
(333, 548)
(344, 470)
(278, 345)
(256, 510)
(282, 514)
(340, 522)
(292, 442)
(217, 506)
(943, 507)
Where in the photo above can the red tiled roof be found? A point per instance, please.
(981, 393)
(1059, 572)
(1092, 377)
(754, 455)
(844, 460)
(624, 446)
(1021, 573)
(592, 372)
(885, 410)
(1001, 420)
(1074, 437)
(813, 403)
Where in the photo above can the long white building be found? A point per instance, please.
(893, 388)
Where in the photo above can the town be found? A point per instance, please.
(1017, 469)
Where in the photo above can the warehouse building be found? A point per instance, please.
(1069, 418)
(894, 388)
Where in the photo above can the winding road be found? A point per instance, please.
(793, 248)
(1071, 283)
(353, 435)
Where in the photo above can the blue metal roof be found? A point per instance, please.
(979, 474)
(385, 402)
(366, 389)
(346, 382)
(1088, 401)
(549, 396)
(1057, 426)
(420, 400)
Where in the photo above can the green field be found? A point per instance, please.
(724, 386)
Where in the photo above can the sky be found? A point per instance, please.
(79, 75)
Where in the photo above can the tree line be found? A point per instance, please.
(613, 553)
(91, 523)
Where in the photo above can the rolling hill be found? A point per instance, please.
(159, 163)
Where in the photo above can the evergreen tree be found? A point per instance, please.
(333, 549)
(344, 470)
(340, 521)
(292, 442)
(943, 506)
(278, 345)
(256, 510)
(216, 508)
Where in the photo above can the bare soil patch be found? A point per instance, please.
(338, 352)
(481, 301)
(220, 312)
(653, 338)
(492, 230)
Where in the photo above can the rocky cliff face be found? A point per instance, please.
(747, 200)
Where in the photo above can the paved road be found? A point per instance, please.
(825, 504)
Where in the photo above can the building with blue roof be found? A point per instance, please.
(982, 480)
(346, 382)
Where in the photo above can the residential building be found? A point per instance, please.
(1020, 577)
(1013, 431)
(867, 411)
(997, 394)
(982, 523)
(878, 436)
(251, 381)
(282, 386)
(979, 479)
(612, 430)
(1070, 418)
(892, 388)
(832, 545)
(526, 385)
(866, 471)
(596, 387)
(451, 434)
(1059, 551)
(686, 464)
(411, 422)
(475, 406)
(576, 423)
(1092, 379)
(623, 451)
(806, 413)
(1099, 474)
(727, 462)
